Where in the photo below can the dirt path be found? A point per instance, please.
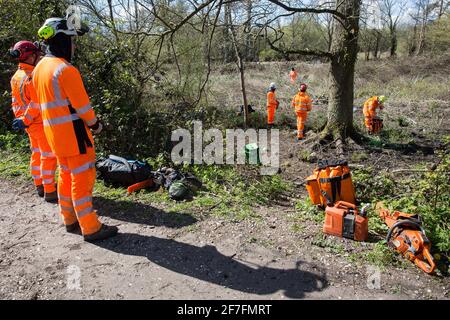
(161, 255)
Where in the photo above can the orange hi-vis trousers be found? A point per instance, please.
(301, 119)
(368, 122)
(75, 186)
(43, 161)
(271, 114)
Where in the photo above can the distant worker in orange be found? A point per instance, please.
(371, 121)
(68, 121)
(302, 104)
(28, 118)
(272, 105)
(293, 75)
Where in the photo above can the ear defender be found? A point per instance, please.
(46, 32)
(14, 53)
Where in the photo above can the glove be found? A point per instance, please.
(18, 124)
(96, 128)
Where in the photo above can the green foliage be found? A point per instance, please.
(305, 210)
(438, 35)
(425, 194)
(269, 55)
(323, 241)
(381, 255)
(267, 189)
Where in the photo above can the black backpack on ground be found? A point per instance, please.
(179, 185)
(120, 172)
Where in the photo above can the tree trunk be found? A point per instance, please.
(344, 52)
(393, 43)
(376, 50)
(244, 92)
(240, 62)
(441, 9)
(248, 34)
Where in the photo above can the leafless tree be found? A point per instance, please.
(391, 13)
(342, 56)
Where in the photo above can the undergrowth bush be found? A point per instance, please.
(426, 193)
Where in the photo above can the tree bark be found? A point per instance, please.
(240, 63)
(344, 51)
(393, 43)
(377, 44)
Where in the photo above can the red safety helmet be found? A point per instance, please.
(303, 87)
(23, 49)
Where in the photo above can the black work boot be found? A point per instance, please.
(104, 233)
(51, 197)
(40, 190)
(73, 228)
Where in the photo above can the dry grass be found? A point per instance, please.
(418, 89)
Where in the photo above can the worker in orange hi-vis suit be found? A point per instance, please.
(302, 104)
(43, 161)
(370, 114)
(272, 105)
(293, 75)
(68, 120)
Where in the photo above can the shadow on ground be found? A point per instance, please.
(136, 212)
(207, 264)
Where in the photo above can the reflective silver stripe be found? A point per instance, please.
(13, 99)
(34, 105)
(84, 212)
(19, 108)
(55, 104)
(64, 198)
(84, 109)
(83, 168)
(91, 122)
(48, 154)
(81, 201)
(60, 120)
(35, 168)
(21, 90)
(35, 176)
(302, 104)
(36, 150)
(64, 168)
(70, 209)
(48, 172)
(47, 181)
(55, 79)
(29, 117)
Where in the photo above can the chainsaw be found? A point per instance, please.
(407, 236)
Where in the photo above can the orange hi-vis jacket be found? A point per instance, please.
(21, 93)
(370, 107)
(293, 75)
(271, 100)
(302, 103)
(65, 106)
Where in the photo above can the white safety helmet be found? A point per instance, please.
(272, 86)
(53, 26)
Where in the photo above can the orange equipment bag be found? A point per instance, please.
(312, 185)
(376, 125)
(331, 182)
(343, 220)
